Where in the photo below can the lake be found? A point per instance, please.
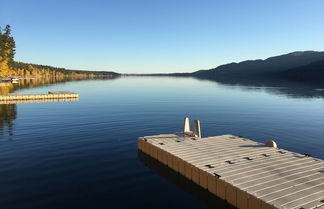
(83, 154)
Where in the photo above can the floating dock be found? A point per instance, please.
(183, 184)
(52, 96)
(245, 173)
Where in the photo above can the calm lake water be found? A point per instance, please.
(84, 154)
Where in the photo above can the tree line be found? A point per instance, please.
(9, 67)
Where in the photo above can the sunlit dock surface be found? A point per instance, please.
(247, 174)
(52, 96)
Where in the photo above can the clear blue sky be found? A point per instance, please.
(136, 36)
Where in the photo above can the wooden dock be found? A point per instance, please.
(52, 96)
(245, 173)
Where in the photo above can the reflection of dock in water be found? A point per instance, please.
(208, 199)
(247, 174)
(57, 96)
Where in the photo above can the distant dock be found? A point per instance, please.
(52, 96)
(245, 173)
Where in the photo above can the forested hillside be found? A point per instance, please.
(9, 67)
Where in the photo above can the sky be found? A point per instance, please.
(153, 36)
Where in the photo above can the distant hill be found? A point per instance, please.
(303, 68)
(312, 73)
(277, 71)
(294, 69)
(261, 69)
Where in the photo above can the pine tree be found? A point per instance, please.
(11, 44)
(7, 48)
(1, 49)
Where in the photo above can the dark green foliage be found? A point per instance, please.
(7, 44)
(11, 44)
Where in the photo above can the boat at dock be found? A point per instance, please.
(10, 79)
(14, 80)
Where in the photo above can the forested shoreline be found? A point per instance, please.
(9, 67)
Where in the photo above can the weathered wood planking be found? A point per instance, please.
(26, 98)
(247, 174)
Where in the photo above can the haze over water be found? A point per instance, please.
(84, 154)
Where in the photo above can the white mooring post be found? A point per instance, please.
(196, 129)
(186, 125)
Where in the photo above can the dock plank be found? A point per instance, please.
(248, 174)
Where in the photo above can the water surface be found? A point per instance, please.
(84, 154)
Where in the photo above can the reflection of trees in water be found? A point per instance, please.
(8, 87)
(8, 113)
(5, 88)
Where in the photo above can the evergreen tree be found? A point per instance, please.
(11, 44)
(1, 43)
(1, 47)
(7, 48)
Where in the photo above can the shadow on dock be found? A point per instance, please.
(208, 199)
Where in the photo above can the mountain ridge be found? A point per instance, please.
(277, 70)
(269, 65)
